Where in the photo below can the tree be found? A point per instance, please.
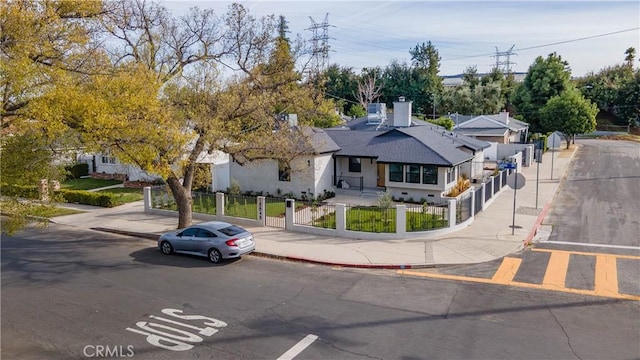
(470, 77)
(426, 61)
(630, 56)
(369, 88)
(546, 78)
(569, 113)
(341, 85)
(45, 52)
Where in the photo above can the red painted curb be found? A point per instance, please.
(538, 222)
(353, 266)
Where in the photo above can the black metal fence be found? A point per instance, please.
(371, 219)
(275, 212)
(496, 184)
(463, 208)
(425, 217)
(488, 189)
(314, 213)
(478, 201)
(503, 177)
(241, 206)
(349, 182)
(204, 203)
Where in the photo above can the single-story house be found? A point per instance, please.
(499, 128)
(411, 159)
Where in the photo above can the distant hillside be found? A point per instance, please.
(455, 80)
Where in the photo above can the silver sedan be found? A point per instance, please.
(215, 239)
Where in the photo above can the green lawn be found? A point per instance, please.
(125, 195)
(87, 184)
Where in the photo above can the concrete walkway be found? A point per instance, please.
(489, 237)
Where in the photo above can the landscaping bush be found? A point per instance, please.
(23, 191)
(76, 171)
(91, 198)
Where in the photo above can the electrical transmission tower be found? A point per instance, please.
(505, 65)
(320, 43)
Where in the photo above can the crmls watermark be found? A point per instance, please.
(108, 351)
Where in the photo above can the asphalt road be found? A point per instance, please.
(599, 202)
(72, 294)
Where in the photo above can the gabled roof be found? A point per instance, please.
(319, 140)
(490, 122)
(482, 132)
(415, 145)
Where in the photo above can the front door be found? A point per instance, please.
(381, 175)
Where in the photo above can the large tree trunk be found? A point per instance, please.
(183, 199)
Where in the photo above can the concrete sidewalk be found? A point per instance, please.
(487, 238)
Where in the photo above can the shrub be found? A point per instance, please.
(90, 198)
(23, 191)
(76, 171)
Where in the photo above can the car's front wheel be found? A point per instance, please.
(166, 248)
(215, 256)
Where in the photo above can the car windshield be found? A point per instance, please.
(232, 230)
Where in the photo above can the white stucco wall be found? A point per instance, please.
(323, 165)
(263, 176)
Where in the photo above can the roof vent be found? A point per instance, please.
(401, 99)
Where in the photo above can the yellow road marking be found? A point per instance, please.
(518, 284)
(632, 257)
(606, 281)
(507, 270)
(556, 270)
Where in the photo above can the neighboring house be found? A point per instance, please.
(407, 157)
(499, 128)
(103, 163)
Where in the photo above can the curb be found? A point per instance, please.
(352, 266)
(154, 237)
(148, 236)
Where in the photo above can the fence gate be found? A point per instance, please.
(275, 212)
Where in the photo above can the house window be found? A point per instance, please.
(430, 174)
(354, 165)
(413, 174)
(395, 173)
(108, 159)
(284, 171)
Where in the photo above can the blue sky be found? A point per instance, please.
(373, 33)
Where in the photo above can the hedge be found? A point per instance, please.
(23, 191)
(71, 196)
(76, 171)
(90, 198)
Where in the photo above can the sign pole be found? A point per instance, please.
(515, 190)
(538, 178)
(553, 150)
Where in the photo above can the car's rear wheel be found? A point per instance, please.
(215, 256)
(166, 248)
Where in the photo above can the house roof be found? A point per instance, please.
(321, 142)
(489, 122)
(420, 144)
(482, 132)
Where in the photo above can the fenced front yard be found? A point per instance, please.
(343, 220)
